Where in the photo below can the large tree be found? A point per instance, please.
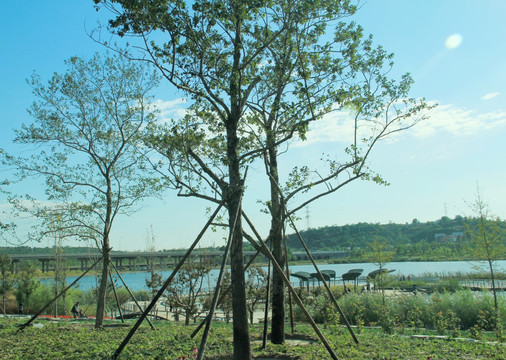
(212, 52)
(321, 68)
(258, 73)
(87, 147)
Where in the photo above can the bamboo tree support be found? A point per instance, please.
(278, 268)
(203, 341)
(266, 308)
(58, 296)
(131, 294)
(320, 276)
(289, 294)
(116, 297)
(165, 284)
(312, 260)
(223, 294)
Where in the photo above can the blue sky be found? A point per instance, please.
(454, 49)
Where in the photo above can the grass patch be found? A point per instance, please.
(78, 340)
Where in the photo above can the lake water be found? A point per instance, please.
(136, 280)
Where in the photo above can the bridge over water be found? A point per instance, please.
(142, 260)
(124, 260)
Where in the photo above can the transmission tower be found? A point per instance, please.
(308, 224)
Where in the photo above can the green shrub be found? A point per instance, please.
(446, 312)
(466, 306)
(413, 311)
(444, 322)
(388, 318)
(40, 297)
(446, 285)
(317, 303)
(45, 293)
(362, 308)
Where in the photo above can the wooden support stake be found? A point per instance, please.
(320, 276)
(203, 341)
(278, 268)
(266, 309)
(224, 293)
(58, 296)
(289, 294)
(165, 285)
(132, 295)
(116, 297)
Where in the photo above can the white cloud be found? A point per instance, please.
(459, 121)
(338, 127)
(333, 128)
(448, 119)
(453, 41)
(490, 96)
(171, 109)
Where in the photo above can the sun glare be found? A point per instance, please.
(453, 41)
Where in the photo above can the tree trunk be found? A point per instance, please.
(278, 292)
(242, 349)
(106, 251)
(492, 277)
(102, 290)
(233, 196)
(276, 237)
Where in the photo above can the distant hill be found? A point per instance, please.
(434, 240)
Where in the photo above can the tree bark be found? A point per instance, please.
(242, 348)
(276, 236)
(106, 252)
(102, 290)
(492, 277)
(233, 195)
(278, 289)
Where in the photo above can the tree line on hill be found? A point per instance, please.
(442, 239)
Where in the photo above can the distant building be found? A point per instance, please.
(444, 238)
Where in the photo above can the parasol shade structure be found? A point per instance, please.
(375, 273)
(303, 277)
(352, 275)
